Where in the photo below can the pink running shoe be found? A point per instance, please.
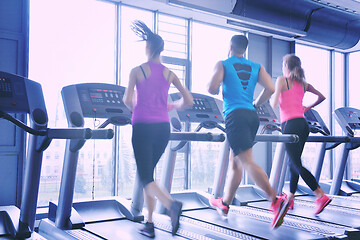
(220, 206)
(279, 208)
(291, 201)
(321, 203)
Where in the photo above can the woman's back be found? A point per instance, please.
(152, 95)
(291, 101)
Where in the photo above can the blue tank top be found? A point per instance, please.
(240, 78)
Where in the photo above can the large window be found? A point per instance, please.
(75, 42)
(354, 101)
(210, 44)
(72, 42)
(315, 62)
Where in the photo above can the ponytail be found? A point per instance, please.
(294, 65)
(298, 74)
(156, 43)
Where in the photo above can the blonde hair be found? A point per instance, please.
(293, 63)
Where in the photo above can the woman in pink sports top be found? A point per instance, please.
(289, 93)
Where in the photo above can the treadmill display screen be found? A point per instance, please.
(5, 87)
(201, 105)
(262, 111)
(104, 97)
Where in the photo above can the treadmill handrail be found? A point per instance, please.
(328, 139)
(196, 136)
(102, 133)
(289, 138)
(51, 133)
(185, 137)
(22, 125)
(207, 137)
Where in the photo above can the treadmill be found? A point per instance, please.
(247, 195)
(111, 218)
(349, 120)
(206, 111)
(337, 217)
(24, 96)
(241, 219)
(317, 125)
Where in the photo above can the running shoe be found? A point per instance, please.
(279, 208)
(175, 213)
(221, 207)
(321, 203)
(148, 230)
(291, 200)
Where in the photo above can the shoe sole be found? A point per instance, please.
(177, 224)
(324, 206)
(219, 210)
(279, 220)
(147, 235)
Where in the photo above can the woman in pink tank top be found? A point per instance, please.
(150, 122)
(289, 93)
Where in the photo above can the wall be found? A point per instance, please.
(13, 59)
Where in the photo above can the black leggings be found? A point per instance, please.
(149, 141)
(299, 127)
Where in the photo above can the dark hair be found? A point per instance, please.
(154, 41)
(294, 65)
(239, 43)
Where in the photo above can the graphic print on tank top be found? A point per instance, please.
(243, 73)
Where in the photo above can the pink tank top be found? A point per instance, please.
(290, 102)
(152, 96)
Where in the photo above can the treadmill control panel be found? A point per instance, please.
(13, 97)
(348, 119)
(315, 122)
(205, 108)
(102, 96)
(266, 113)
(5, 87)
(96, 100)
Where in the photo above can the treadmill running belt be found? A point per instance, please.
(259, 227)
(331, 214)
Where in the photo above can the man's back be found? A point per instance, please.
(240, 78)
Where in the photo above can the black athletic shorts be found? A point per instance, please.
(241, 126)
(149, 141)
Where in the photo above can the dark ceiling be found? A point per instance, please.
(323, 24)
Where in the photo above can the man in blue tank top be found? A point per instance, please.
(238, 77)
